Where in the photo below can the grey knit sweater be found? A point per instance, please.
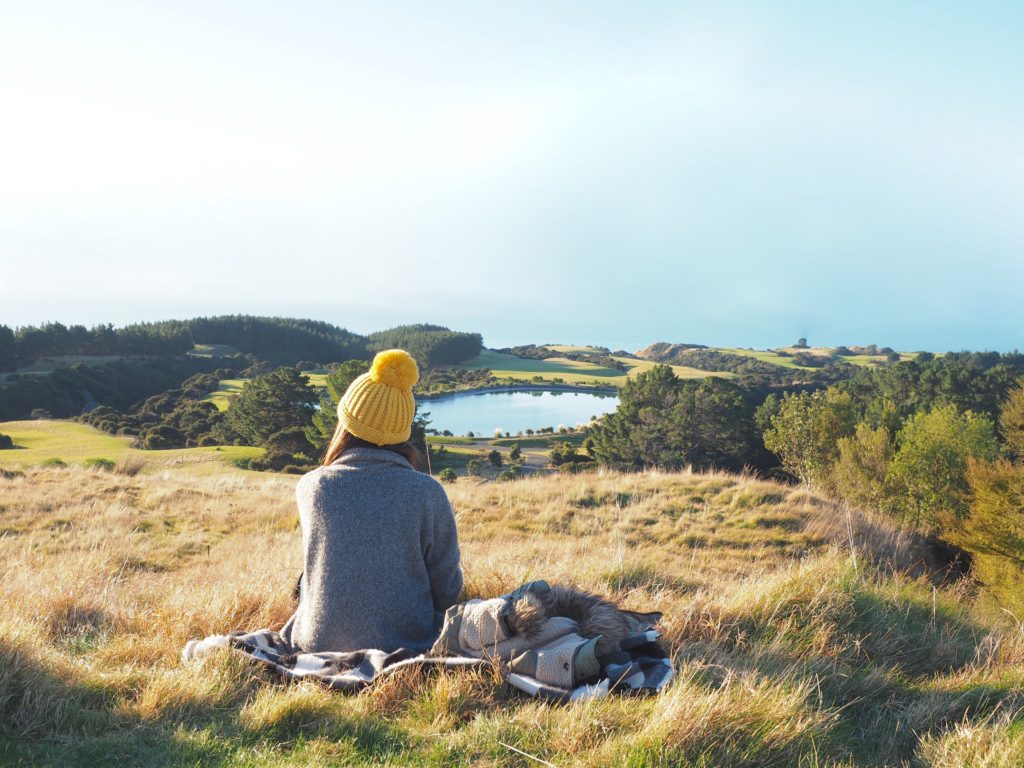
(381, 556)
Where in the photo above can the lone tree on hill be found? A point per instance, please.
(269, 404)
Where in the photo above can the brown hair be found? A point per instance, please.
(344, 440)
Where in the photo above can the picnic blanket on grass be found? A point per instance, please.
(542, 654)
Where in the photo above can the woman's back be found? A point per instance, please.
(381, 555)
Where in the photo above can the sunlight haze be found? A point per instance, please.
(734, 174)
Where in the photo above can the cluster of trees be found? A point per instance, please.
(565, 458)
(274, 411)
(665, 421)
(756, 374)
(438, 380)
(939, 466)
(278, 339)
(430, 345)
(26, 345)
(937, 443)
(119, 384)
(176, 418)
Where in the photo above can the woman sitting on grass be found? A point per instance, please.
(381, 549)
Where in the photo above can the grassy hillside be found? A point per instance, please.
(73, 443)
(788, 652)
(506, 366)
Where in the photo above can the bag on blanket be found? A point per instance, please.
(556, 642)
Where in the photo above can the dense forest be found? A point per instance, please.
(118, 384)
(431, 345)
(269, 337)
(155, 360)
(279, 340)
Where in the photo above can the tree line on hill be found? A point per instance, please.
(28, 344)
(67, 392)
(757, 374)
(430, 345)
(161, 365)
(276, 339)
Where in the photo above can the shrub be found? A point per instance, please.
(1011, 422)
(863, 465)
(993, 533)
(163, 437)
(129, 465)
(243, 462)
(474, 468)
(104, 464)
(514, 472)
(275, 461)
(805, 433)
(6, 442)
(54, 462)
(291, 440)
(929, 470)
(495, 458)
(515, 452)
(447, 475)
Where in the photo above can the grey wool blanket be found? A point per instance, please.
(556, 643)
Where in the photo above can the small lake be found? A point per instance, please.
(515, 411)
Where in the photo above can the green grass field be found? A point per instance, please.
(74, 443)
(505, 366)
(772, 356)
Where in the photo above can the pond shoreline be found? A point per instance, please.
(609, 391)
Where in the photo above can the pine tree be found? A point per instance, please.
(268, 404)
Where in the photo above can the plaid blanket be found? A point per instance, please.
(639, 665)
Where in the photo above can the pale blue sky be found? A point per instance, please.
(612, 173)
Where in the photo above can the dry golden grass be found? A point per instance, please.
(788, 654)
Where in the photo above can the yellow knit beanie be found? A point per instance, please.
(378, 406)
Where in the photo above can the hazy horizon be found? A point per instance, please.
(732, 175)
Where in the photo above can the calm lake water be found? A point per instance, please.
(483, 412)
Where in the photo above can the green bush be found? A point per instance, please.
(474, 468)
(514, 472)
(1011, 422)
(805, 433)
(862, 468)
(928, 474)
(54, 462)
(105, 464)
(6, 442)
(993, 533)
(243, 462)
(447, 475)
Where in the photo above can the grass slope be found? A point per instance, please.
(73, 443)
(505, 366)
(787, 654)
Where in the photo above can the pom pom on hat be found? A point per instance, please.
(379, 406)
(396, 368)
